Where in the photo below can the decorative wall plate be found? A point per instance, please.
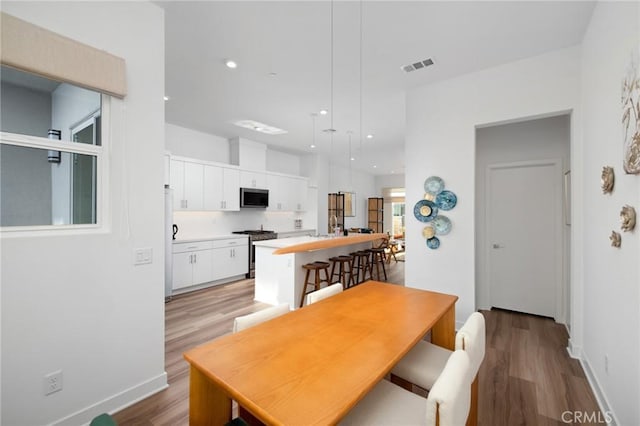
(425, 210)
(446, 200)
(434, 185)
(433, 243)
(442, 225)
(428, 232)
(607, 179)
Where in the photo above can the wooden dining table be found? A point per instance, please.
(312, 365)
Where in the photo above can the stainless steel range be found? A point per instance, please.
(255, 235)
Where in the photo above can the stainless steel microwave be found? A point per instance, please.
(254, 198)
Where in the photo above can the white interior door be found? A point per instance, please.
(524, 216)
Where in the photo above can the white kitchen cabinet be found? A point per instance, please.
(253, 179)
(278, 193)
(230, 258)
(287, 193)
(221, 191)
(187, 182)
(192, 263)
(299, 201)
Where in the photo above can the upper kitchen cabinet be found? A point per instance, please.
(253, 179)
(187, 180)
(287, 193)
(221, 188)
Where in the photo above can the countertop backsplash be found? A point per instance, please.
(196, 224)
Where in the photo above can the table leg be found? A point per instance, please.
(208, 404)
(443, 332)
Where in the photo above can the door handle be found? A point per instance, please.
(497, 246)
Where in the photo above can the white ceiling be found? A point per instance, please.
(293, 40)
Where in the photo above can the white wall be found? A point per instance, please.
(441, 123)
(76, 302)
(192, 143)
(611, 276)
(363, 184)
(283, 162)
(541, 139)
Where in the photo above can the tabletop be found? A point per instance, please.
(313, 365)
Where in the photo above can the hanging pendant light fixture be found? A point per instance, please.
(313, 129)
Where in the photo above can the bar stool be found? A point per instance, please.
(316, 267)
(345, 266)
(378, 259)
(360, 266)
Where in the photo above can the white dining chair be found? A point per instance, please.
(447, 404)
(246, 321)
(323, 293)
(425, 361)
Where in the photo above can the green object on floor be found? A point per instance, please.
(237, 422)
(103, 420)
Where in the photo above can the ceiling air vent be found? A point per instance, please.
(417, 65)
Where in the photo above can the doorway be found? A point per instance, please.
(520, 169)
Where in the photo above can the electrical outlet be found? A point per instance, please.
(52, 382)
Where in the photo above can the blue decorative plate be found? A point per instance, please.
(425, 210)
(433, 243)
(434, 185)
(442, 225)
(446, 200)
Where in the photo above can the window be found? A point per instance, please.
(51, 153)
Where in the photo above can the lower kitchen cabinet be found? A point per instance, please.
(207, 261)
(230, 258)
(192, 263)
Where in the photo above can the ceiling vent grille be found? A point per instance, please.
(417, 65)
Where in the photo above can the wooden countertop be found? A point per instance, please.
(327, 243)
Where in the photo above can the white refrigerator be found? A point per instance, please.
(168, 242)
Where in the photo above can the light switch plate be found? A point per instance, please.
(143, 256)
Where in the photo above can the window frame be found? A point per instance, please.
(101, 154)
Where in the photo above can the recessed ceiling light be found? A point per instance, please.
(166, 98)
(353, 159)
(324, 112)
(259, 127)
(231, 64)
(375, 167)
(369, 136)
(312, 146)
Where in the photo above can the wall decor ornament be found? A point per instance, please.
(615, 238)
(627, 218)
(427, 210)
(607, 179)
(630, 100)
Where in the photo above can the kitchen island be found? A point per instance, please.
(279, 274)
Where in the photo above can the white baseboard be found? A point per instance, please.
(116, 402)
(574, 351)
(601, 398)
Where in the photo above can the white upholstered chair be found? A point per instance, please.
(323, 293)
(246, 321)
(447, 403)
(423, 364)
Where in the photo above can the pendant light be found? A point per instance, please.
(313, 129)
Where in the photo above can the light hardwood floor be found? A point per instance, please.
(526, 377)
